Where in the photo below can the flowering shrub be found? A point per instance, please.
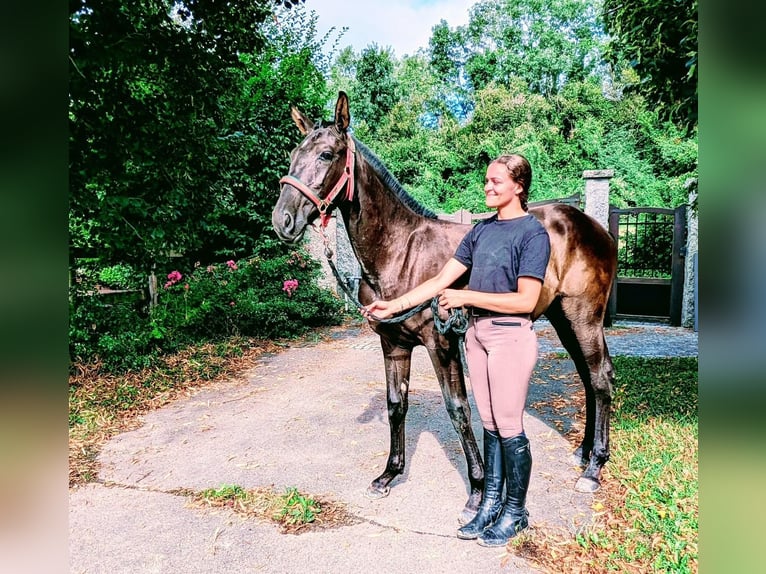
(289, 286)
(256, 297)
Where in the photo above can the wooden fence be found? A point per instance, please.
(465, 216)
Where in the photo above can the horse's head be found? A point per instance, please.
(321, 174)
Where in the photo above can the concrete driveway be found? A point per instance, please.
(312, 417)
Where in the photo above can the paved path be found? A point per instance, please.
(313, 417)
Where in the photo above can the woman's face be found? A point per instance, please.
(499, 189)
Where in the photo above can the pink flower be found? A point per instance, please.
(231, 303)
(186, 287)
(173, 278)
(210, 268)
(232, 265)
(290, 286)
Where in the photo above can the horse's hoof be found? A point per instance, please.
(466, 516)
(376, 493)
(585, 484)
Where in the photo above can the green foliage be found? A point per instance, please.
(538, 86)
(546, 44)
(247, 297)
(292, 509)
(176, 120)
(115, 333)
(375, 89)
(147, 131)
(562, 135)
(297, 508)
(444, 52)
(652, 388)
(658, 39)
(118, 276)
(225, 492)
(179, 133)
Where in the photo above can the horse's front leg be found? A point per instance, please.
(397, 365)
(449, 371)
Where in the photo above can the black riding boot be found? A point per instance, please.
(491, 500)
(517, 460)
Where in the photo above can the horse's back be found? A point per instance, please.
(583, 254)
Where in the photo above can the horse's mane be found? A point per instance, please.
(392, 183)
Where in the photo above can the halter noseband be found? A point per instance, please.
(324, 205)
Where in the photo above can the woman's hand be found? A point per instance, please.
(378, 310)
(453, 298)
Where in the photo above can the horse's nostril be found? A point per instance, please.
(288, 222)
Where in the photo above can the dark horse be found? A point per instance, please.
(399, 244)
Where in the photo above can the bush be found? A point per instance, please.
(269, 295)
(119, 276)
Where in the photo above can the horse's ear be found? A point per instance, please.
(304, 124)
(342, 116)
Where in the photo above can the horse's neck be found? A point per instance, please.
(375, 221)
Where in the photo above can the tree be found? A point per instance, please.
(165, 153)
(658, 39)
(375, 90)
(444, 52)
(447, 60)
(546, 43)
(343, 73)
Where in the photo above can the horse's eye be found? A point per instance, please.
(325, 156)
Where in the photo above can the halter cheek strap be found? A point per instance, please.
(324, 204)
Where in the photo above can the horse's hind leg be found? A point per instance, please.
(452, 382)
(397, 366)
(582, 334)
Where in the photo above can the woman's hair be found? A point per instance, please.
(520, 171)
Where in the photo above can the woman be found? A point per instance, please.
(507, 256)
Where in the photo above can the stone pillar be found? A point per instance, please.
(689, 306)
(315, 246)
(343, 256)
(346, 261)
(597, 194)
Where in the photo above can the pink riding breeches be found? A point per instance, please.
(501, 352)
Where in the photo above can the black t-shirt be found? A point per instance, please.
(499, 251)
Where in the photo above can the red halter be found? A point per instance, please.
(324, 205)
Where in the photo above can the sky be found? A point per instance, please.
(403, 25)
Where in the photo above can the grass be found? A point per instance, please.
(647, 512)
(292, 510)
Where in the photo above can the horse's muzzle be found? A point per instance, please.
(285, 226)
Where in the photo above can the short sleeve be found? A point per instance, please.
(464, 252)
(535, 256)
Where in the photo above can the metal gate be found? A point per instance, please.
(651, 245)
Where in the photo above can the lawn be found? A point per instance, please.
(646, 514)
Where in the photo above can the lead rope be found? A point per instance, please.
(457, 321)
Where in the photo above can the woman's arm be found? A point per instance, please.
(450, 273)
(523, 301)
